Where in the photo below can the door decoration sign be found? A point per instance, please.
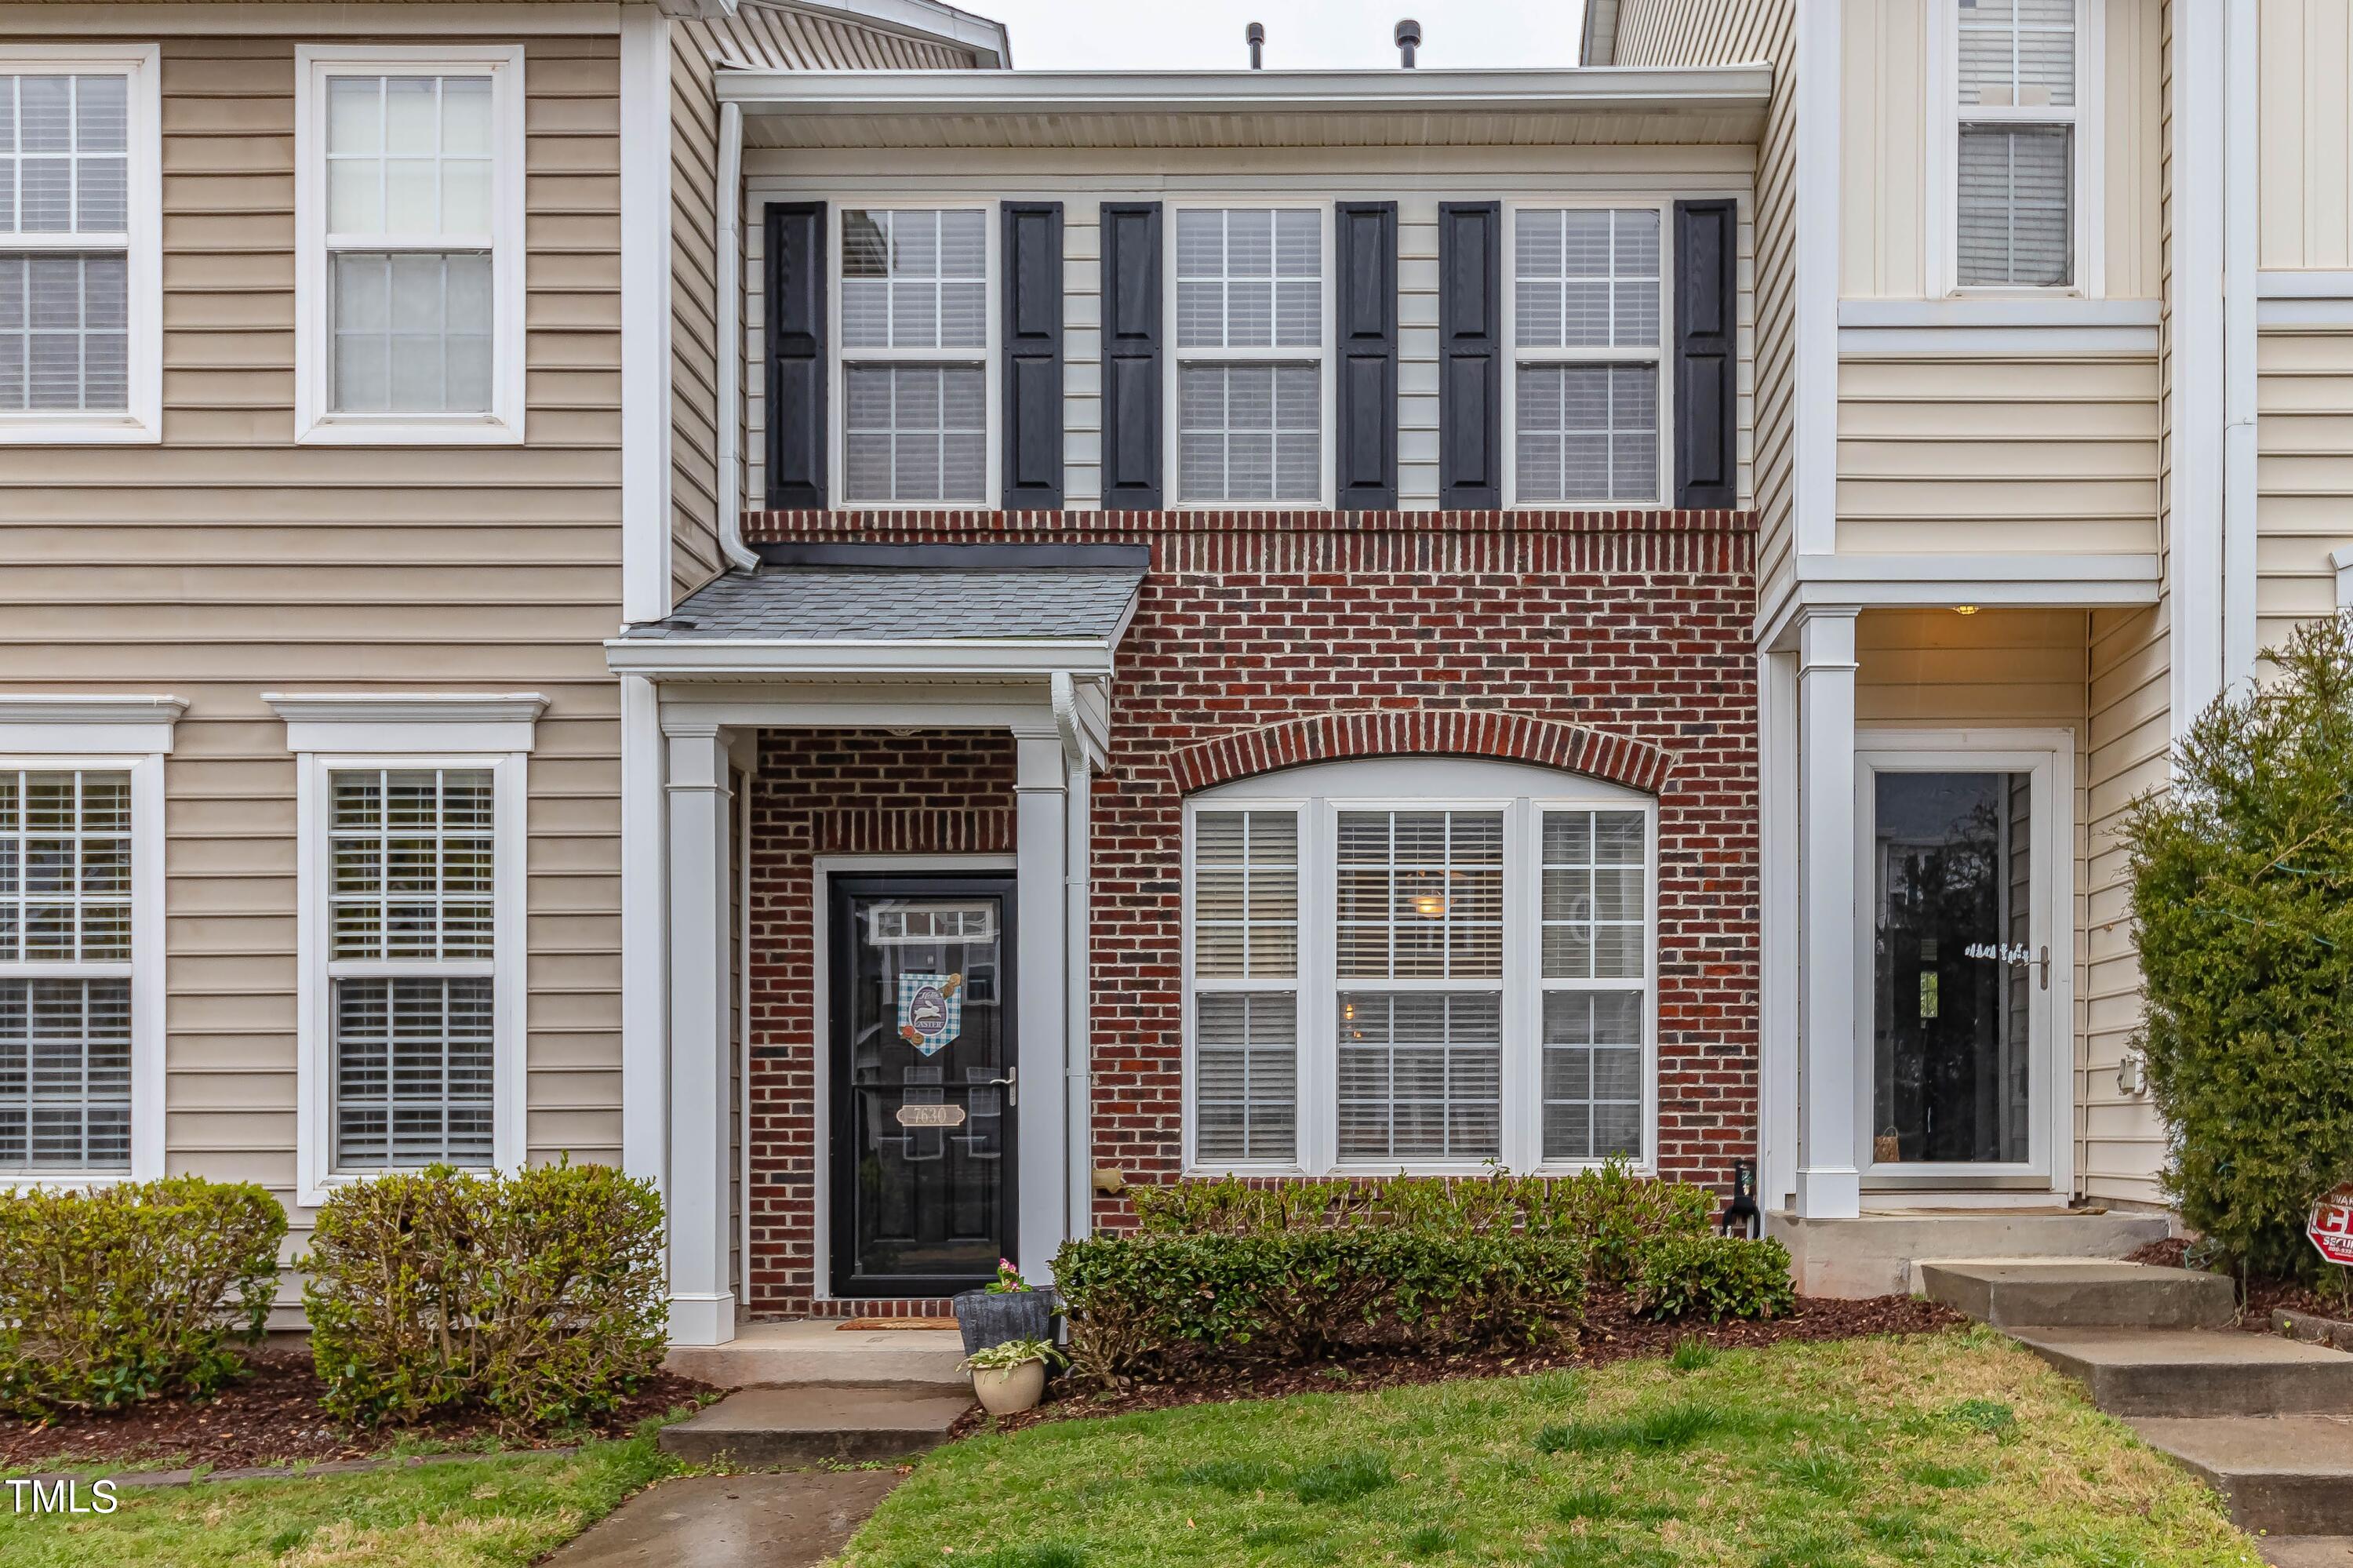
(930, 1011)
(2331, 1224)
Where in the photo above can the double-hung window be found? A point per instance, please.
(1588, 305)
(80, 210)
(1250, 333)
(915, 391)
(2015, 144)
(1418, 964)
(409, 188)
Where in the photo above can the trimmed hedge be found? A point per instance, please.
(538, 1295)
(1712, 1276)
(1165, 1306)
(129, 1292)
(1608, 1210)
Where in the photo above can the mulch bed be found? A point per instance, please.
(1611, 1333)
(273, 1417)
(2259, 1297)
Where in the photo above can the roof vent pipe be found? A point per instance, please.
(1409, 39)
(1255, 34)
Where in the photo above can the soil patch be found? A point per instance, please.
(272, 1417)
(1611, 1333)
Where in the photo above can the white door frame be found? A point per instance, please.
(2048, 757)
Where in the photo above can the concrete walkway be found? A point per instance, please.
(794, 1520)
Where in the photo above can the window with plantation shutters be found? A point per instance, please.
(1250, 354)
(2015, 144)
(412, 853)
(1589, 293)
(1245, 909)
(65, 970)
(914, 354)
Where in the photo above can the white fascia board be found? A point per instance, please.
(1696, 89)
(1988, 582)
(925, 18)
(980, 659)
(2280, 284)
(1998, 310)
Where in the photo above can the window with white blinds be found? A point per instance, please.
(2015, 140)
(1250, 354)
(1377, 983)
(65, 243)
(1588, 307)
(66, 845)
(412, 856)
(914, 354)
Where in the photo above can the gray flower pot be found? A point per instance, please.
(989, 1318)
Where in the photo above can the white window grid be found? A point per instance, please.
(81, 212)
(1594, 904)
(1244, 991)
(951, 428)
(483, 254)
(1640, 314)
(1521, 992)
(67, 842)
(2079, 117)
(1285, 286)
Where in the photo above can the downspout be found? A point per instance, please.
(1077, 1152)
(731, 339)
(2240, 216)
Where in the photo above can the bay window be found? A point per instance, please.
(1249, 329)
(1587, 301)
(915, 327)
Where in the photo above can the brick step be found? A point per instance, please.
(2286, 1475)
(810, 1423)
(2077, 1293)
(2197, 1372)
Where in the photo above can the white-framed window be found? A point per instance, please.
(1249, 323)
(2018, 162)
(1587, 314)
(80, 226)
(1418, 964)
(411, 815)
(82, 934)
(917, 404)
(409, 260)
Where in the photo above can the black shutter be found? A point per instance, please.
(1131, 356)
(1365, 298)
(1706, 345)
(1033, 355)
(1470, 353)
(794, 263)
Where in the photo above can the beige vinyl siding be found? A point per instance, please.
(2306, 133)
(1082, 181)
(1890, 124)
(1974, 454)
(1729, 32)
(2303, 475)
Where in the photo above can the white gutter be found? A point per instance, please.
(731, 339)
(960, 658)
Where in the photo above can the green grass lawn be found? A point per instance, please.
(1957, 1450)
(483, 1513)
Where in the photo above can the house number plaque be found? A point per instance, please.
(931, 1116)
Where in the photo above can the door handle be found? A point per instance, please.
(1011, 1094)
(2042, 962)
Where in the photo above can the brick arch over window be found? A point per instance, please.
(1443, 732)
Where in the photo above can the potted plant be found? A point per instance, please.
(1009, 1378)
(1007, 1309)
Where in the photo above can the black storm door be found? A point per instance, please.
(921, 1065)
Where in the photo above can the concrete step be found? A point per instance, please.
(2197, 1372)
(817, 1350)
(2080, 1293)
(812, 1422)
(2288, 1475)
(1873, 1254)
(2307, 1550)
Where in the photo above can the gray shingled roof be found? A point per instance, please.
(900, 604)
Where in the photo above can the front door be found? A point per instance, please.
(1957, 847)
(923, 1083)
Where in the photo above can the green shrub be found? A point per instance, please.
(124, 1293)
(2242, 902)
(538, 1295)
(1712, 1277)
(1167, 1306)
(1608, 1210)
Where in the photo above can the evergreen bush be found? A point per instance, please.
(1714, 1277)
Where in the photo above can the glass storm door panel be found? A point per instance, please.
(923, 1086)
(1959, 972)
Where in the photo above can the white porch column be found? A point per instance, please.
(1041, 788)
(1776, 936)
(702, 1305)
(1829, 1184)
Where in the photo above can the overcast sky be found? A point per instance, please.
(1144, 35)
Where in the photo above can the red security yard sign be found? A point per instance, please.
(2331, 1225)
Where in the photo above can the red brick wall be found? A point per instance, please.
(1634, 625)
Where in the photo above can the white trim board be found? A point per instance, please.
(420, 721)
(1989, 581)
(78, 725)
